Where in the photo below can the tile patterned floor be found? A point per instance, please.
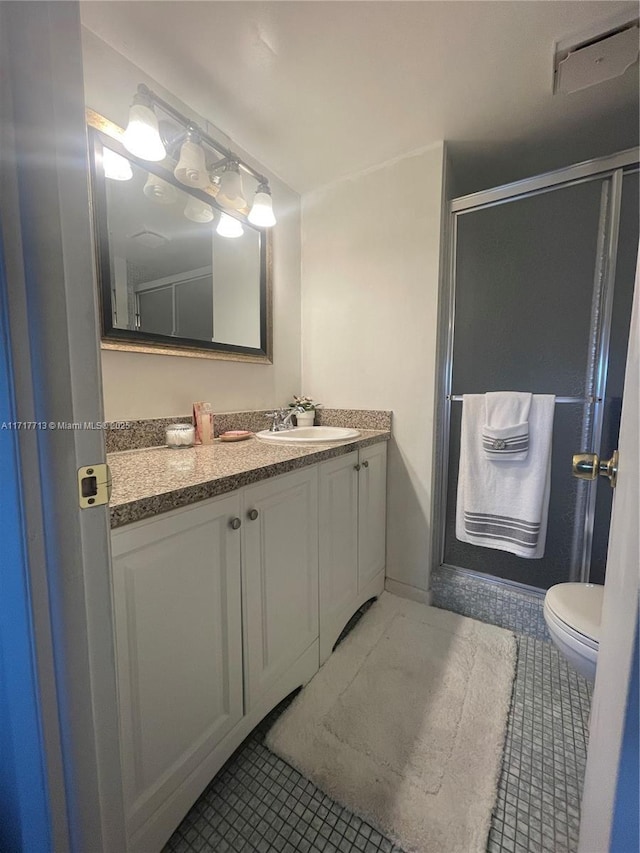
(515, 609)
(538, 805)
(258, 804)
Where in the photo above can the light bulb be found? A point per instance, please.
(261, 213)
(160, 191)
(142, 137)
(116, 167)
(192, 168)
(229, 227)
(198, 211)
(230, 192)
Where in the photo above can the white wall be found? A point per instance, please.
(370, 262)
(138, 385)
(236, 272)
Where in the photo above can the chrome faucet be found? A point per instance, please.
(281, 419)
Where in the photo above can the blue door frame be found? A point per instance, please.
(625, 831)
(24, 810)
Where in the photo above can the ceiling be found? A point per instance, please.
(320, 90)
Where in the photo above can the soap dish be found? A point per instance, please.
(235, 435)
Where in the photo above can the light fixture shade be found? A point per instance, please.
(116, 167)
(160, 191)
(192, 168)
(229, 227)
(198, 211)
(142, 137)
(261, 213)
(230, 193)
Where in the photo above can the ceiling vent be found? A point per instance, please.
(587, 61)
(149, 239)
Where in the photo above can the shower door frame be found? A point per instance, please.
(613, 168)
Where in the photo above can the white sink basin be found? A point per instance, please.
(308, 435)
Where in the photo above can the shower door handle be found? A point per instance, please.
(587, 466)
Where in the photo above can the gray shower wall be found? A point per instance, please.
(540, 273)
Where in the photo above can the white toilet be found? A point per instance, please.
(572, 612)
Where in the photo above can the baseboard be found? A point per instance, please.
(405, 590)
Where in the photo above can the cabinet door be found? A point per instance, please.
(338, 520)
(372, 512)
(280, 576)
(176, 583)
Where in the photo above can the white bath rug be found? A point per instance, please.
(405, 724)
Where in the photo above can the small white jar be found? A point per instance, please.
(180, 435)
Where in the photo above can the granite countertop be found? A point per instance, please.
(149, 481)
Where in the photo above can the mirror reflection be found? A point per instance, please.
(175, 269)
(173, 274)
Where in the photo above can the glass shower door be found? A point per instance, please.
(531, 310)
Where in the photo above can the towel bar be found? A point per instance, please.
(457, 398)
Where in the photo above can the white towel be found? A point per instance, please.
(505, 505)
(505, 434)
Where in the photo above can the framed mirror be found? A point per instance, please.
(173, 278)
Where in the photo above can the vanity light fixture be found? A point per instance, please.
(142, 136)
(261, 213)
(230, 189)
(229, 227)
(198, 211)
(192, 167)
(146, 139)
(160, 191)
(116, 167)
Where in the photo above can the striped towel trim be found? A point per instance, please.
(502, 528)
(500, 446)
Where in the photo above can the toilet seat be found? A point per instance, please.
(572, 612)
(560, 625)
(577, 607)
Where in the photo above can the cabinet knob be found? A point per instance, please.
(366, 463)
(356, 467)
(253, 514)
(235, 523)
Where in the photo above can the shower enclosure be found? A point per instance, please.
(538, 298)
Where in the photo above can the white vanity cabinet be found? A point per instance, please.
(372, 513)
(352, 544)
(176, 587)
(222, 609)
(279, 576)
